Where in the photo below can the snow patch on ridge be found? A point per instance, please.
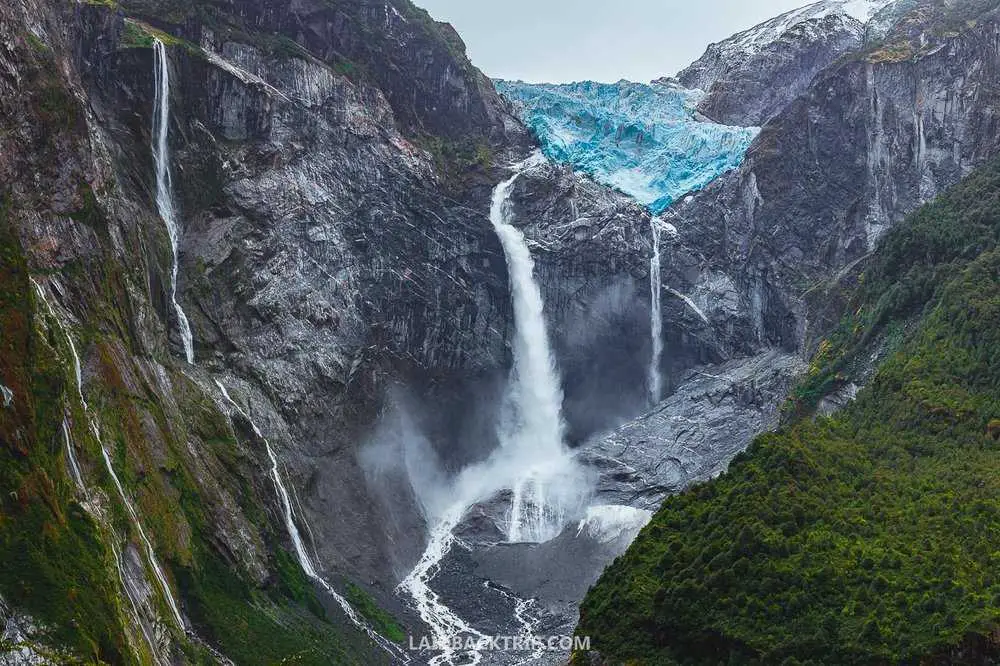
(752, 40)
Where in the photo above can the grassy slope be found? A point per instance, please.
(869, 537)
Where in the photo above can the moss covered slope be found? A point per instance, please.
(200, 488)
(869, 537)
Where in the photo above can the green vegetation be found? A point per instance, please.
(920, 19)
(868, 537)
(250, 622)
(382, 621)
(58, 560)
(252, 627)
(457, 161)
(135, 36)
(139, 35)
(905, 279)
(55, 565)
(36, 43)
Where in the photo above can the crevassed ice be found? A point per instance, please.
(643, 139)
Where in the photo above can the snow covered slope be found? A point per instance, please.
(745, 46)
(752, 75)
(643, 139)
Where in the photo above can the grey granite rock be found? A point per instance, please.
(694, 434)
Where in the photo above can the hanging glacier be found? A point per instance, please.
(645, 140)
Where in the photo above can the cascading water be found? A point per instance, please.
(305, 560)
(164, 184)
(532, 462)
(442, 621)
(134, 516)
(74, 466)
(529, 624)
(532, 430)
(134, 596)
(154, 564)
(656, 315)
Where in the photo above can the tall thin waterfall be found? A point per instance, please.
(74, 466)
(164, 184)
(150, 554)
(656, 315)
(533, 428)
(301, 552)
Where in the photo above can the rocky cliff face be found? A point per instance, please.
(418, 64)
(755, 74)
(332, 164)
(875, 135)
(134, 514)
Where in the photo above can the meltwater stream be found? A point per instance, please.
(164, 184)
(532, 462)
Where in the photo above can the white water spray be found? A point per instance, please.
(533, 428)
(164, 184)
(305, 560)
(532, 462)
(656, 315)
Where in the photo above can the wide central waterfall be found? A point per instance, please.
(547, 488)
(164, 184)
(531, 432)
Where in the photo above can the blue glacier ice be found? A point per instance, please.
(643, 139)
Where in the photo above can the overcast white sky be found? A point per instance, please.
(558, 41)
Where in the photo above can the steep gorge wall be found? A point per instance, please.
(335, 243)
(84, 260)
(875, 136)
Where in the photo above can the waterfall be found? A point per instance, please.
(134, 596)
(656, 315)
(302, 554)
(532, 430)
(532, 462)
(74, 466)
(164, 185)
(134, 516)
(130, 509)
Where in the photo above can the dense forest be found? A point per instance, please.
(869, 536)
